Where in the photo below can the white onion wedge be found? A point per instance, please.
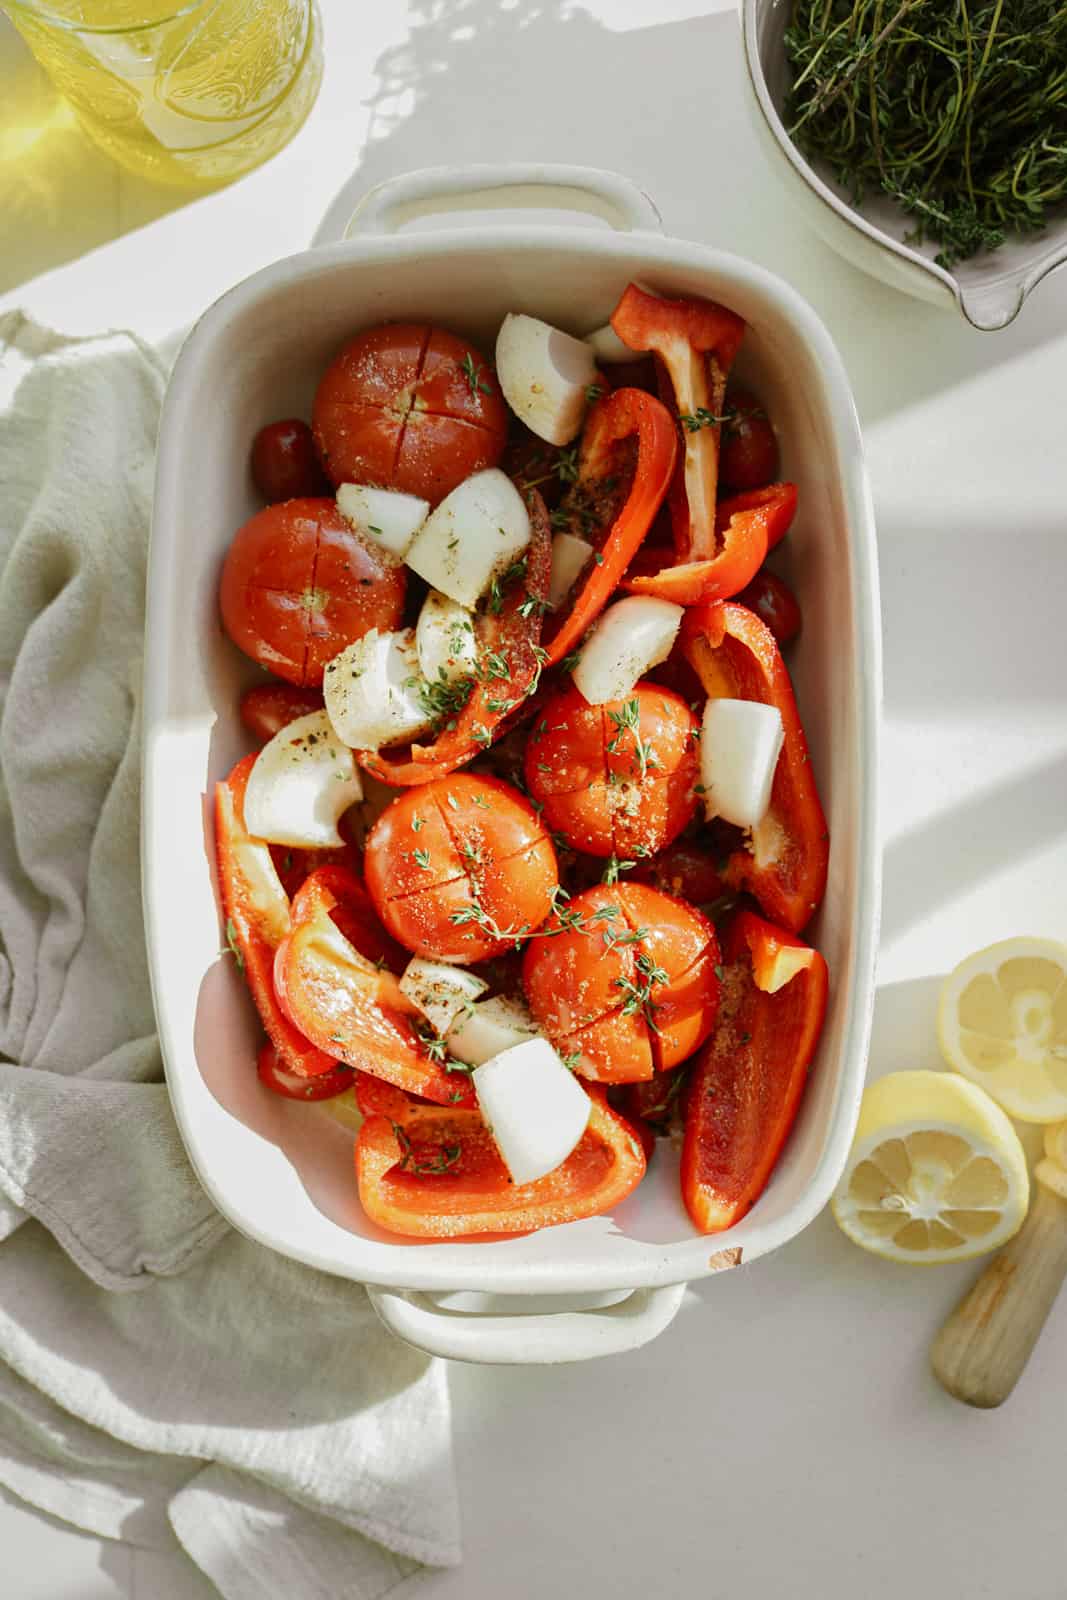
(632, 635)
(488, 1028)
(536, 1110)
(740, 742)
(444, 640)
(372, 691)
(569, 556)
(386, 516)
(300, 784)
(544, 374)
(608, 348)
(475, 533)
(441, 993)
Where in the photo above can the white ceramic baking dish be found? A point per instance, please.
(281, 1171)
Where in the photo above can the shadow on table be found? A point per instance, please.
(989, 832)
(546, 81)
(59, 195)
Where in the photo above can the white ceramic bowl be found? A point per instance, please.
(282, 1171)
(989, 288)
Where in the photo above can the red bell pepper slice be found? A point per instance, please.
(748, 525)
(695, 342)
(332, 983)
(511, 633)
(256, 909)
(272, 1071)
(747, 1083)
(376, 1098)
(629, 438)
(735, 657)
(432, 1173)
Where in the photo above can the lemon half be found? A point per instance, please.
(1051, 1170)
(1002, 1022)
(936, 1171)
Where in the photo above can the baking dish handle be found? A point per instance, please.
(528, 1338)
(508, 187)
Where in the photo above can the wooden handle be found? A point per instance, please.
(981, 1351)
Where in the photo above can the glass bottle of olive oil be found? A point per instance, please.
(183, 91)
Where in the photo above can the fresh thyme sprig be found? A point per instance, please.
(628, 720)
(432, 1042)
(443, 698)
(437, 1050)
(568, 920)
(614, 867)
(445, 1160)
(957, 111)
(638, 996)
(671, 1085)
(693, 421)
(473, 374)
(501, 582)
(232, 945)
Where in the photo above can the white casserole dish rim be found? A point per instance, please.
(463, 1265)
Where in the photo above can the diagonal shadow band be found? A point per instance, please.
(959, 848)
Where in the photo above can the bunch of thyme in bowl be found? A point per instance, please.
(956, 109)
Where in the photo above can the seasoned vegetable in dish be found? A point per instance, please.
(518, 875)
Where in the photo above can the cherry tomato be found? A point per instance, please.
(267, 708)
(323, 1086)
(298, 584)
(409, 407)
(625, 979)
(284, 463)
(748, 452)
(640, 373)
(774, 603)
(616, 779)
(458, 866)
(685, 869)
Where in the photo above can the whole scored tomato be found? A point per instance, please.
(410, 407)
(626, 980)
(299, 584)
(457, 867)
(617, 779)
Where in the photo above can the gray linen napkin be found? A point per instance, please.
(238, 1406)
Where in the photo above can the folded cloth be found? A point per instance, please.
(238, 1407)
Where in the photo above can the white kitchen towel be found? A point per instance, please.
(237, 1406)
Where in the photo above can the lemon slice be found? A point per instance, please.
(1002, 1022)
(936, 1171)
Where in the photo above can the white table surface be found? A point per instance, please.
(784, 1437)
